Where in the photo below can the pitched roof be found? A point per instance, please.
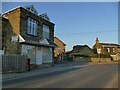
(68, 52)
(78, 48)
(45, 16)
(52, 43)
(110, 44)
(60, 40)
(11, 10)
(31, 8)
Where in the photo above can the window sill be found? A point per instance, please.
(32, 35)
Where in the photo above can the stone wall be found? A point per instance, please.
(94, 60)
(102, 60)
(7, 34)
(81, 59)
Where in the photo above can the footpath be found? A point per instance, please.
(43, 71)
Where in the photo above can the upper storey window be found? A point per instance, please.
(46, 31)
(32, 26)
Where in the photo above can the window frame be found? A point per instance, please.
(32, 26)
(46, 31)
(108, 49)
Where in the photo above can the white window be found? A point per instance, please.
(32, 26)
(98, 51)
(108, 49)
(14, 39)
(46, 31)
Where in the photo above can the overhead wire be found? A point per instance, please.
(88, 32)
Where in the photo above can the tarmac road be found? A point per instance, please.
(94, 76)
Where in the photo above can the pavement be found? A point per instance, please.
(43, 71)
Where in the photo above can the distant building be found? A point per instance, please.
(60, 50)
(79, 51)
(82, 50)
(107, 48)
(27, 33)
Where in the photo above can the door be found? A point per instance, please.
(38, 56)
(46, 54)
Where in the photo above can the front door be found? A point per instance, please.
(38, 56)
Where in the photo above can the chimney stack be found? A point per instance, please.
(97, 41)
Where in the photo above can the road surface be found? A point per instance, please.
(93, 76)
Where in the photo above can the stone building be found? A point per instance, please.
(8, 46)
(78, 52)
(107, 48)
(28, 33)
(82, 50)
(59, 51)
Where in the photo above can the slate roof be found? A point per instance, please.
(52, 43)
(110, 44)
(78, 48)
(34, 41)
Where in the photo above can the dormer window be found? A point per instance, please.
(45, 16)
(31, 8)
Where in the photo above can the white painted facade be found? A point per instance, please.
(44, 41)
(46, 54)
(1, 52)
(37, 55)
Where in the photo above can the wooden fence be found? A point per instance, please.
(13, 63)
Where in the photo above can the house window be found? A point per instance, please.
(30, 51)
(46, 31)
(32, 26)
(108, 49)
(113, 49)
(14, 39)
(98, 51)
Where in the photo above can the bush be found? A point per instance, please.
(94, 55)
(82, 55)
